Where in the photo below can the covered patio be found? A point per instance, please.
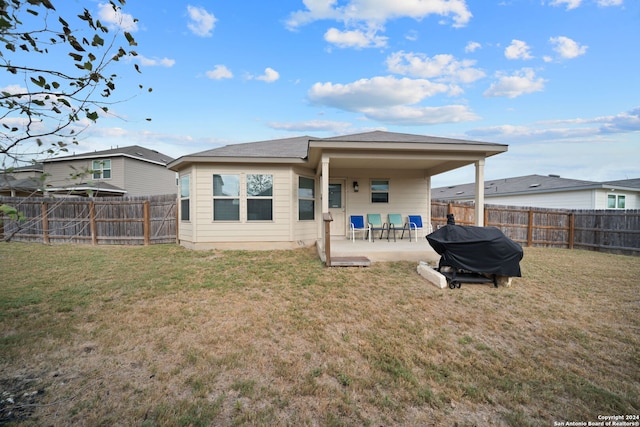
(379, 250)
(387, 174)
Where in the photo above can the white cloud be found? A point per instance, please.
(116, 18)
(154, 62)
(416, 116)
(270, 75)
(375, 11)
(567, 48)
(354, 38)
(571, 4)
(377, 92)
(606, 3)
(219, 72)
(517, 50)
(520, 83)
(444, 67)
(201, 22)
(312, 126)
(472, 47)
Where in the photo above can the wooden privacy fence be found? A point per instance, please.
(109, 220)
(616, 231)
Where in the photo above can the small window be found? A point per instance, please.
(226, 197)
(259, 197)
(184, 198)
(380, 191)
(101, 169)
(616, 201)
(306, 198)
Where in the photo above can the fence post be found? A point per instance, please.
(572, 228)
(147, 223)
(177, 220)
(486, 216)
(92, 222)
(45, 223)
(530, 229)
(1, 226)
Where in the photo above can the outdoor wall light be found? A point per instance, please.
(355, 186)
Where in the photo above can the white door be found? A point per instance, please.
(336, 207)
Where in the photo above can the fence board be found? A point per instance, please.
(616, 231)
(127, 220)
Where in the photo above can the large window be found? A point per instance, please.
(184, 197)
(101, 169)
(306, 198)
(259, 197)
(226, 197)
(379, 191)
(615, 201)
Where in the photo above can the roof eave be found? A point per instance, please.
(186, 161)
(102, 156)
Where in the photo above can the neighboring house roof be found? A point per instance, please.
(36, 167)
(529, 184)
(23, 184)
(134, 151)
(302, 149)
(95, 188)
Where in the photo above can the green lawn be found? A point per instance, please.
(163, 336)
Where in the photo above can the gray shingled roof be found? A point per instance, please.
(134, 151)
(382, 136)
(296, 148)
(525, 185)
(630, 183)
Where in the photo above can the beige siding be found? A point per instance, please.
(207, 231)
(407, 193)
(305, 231)
(61, 173)
(632, 199)
(147, 179)
(583, 199)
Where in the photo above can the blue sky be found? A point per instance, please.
(556, 80)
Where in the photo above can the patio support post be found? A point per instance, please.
(325, 185)
(428, 185)
(325, 197)
(479, 193)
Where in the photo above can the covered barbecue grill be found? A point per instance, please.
(475, 254)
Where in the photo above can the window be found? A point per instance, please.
(615, 201)
(101, 169)
(379, 191)
(259, 197)
(226, 197)
(306, 198)
(184, 197)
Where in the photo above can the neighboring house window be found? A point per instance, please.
(379, 191)
(184, 197)
(259, 197)
(101, 169)
(615, 201)
(226, 197)
(306, 198)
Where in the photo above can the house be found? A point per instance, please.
(550, 191)
(131, 171)
(22, 181)
(275, 194)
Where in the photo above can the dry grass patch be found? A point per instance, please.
(165, 336)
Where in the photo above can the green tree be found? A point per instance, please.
(44, 107)
(43, 110)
